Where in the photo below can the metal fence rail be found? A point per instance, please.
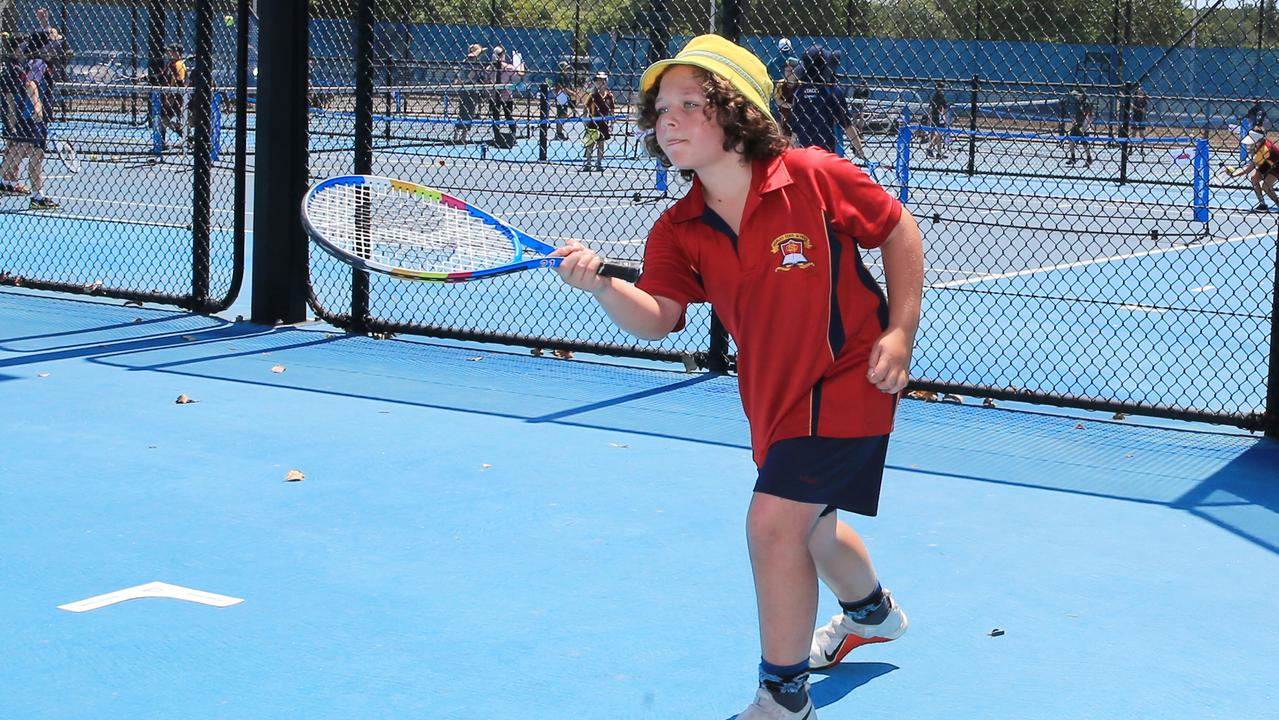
(139, 190)
(1109, 266)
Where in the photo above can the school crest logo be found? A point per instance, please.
(792, 246)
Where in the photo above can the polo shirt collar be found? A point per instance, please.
(766, 176)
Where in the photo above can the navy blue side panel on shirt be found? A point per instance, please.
(869, 282)
(816, 409)
(836, 332)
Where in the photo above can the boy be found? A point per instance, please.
(599, 105)
(28, 132)
(820, 105)
(173, 74)
(770, 236)
(563, 89)
(1140, 103)
(1263, 163)
(469, 74)
(1082, 128)
(939, 118)
(784, 98)
(502, 101)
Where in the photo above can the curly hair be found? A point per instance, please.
(747, 129)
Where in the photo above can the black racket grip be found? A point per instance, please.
(629, 273)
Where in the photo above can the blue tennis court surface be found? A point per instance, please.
(489, 534)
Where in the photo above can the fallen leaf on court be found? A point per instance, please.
(42, 374)
(188, 338)
(563, 354)
(926, 395)
(93, 286)
(953, 398)
(1079, 426)
(485, 466)
(535, 352)
(294, 476)
(988, 402)
(477, 358)
(277, 369)
(996, 632)
(1120, 416)
(618, 445)
(184, 400)
(133, 303)
(137, 320)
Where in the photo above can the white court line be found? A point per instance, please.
(570, 210)
(934, 270)
(590, 243)
(1096, 261)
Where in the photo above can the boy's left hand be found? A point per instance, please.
(890, 361)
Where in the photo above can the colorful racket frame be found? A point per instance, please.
(520, 241)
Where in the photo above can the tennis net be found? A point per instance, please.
(124, 121)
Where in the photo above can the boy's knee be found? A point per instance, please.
(773, 520)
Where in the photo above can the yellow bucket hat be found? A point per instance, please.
(730, 61)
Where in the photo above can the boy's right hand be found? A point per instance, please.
(581, 267)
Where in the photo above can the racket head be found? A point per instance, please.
(412, 231)
(66, 154)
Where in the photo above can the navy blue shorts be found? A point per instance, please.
(841, 473)
(31, 132)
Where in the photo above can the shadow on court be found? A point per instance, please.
(1242, 497)
(832, 685)
(482, 533)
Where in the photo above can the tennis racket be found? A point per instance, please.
(414, 232)
(65, 152)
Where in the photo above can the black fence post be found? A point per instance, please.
(972, 128)
(544, 113)
(1125, 131)
(659, 33)
(1272, 383)
(155, 40)
(717, 349)
(732, 20)
(133, 59)
(279, 242)
(365, 17)
(201, 119)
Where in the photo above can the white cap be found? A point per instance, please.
(783, 45)
(1252, 138)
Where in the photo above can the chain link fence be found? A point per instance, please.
(123, 171)
(1083, 247)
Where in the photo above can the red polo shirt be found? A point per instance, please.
(791, 289)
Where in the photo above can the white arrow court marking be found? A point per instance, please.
(151, 590)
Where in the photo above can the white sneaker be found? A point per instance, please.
(766, 708)
(842, 634)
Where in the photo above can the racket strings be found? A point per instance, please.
(400, 229)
